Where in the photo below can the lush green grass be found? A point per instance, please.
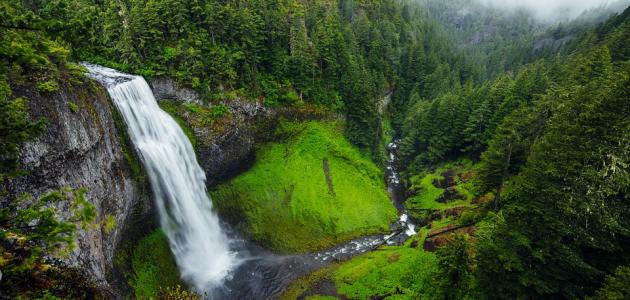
(394, 272)
(403, 272)
(427, 193)
(286, 202)
(438, 224)
(153, 266)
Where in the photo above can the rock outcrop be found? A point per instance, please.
(225, 148)
(167, 88)
(82, 147)
(552, 44)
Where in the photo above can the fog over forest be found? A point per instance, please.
(552, 10)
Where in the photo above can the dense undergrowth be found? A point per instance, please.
(310, 191)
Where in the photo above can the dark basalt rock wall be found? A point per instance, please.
(84, 148)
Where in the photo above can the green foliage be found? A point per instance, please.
(616, 286)
(279, 93)
(155, 273)
(15, 129)
(402, 271)
(552, 140)
(309, 192)
(424, 199)
(32, 236)
(455, 278)
(48, 86)
(574, 187)
(340, 55)
(73, 107)
(397, 272)
(176, 293)
(206, 115)
(109, 223)
(551, 136)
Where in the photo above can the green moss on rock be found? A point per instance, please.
(426, 194)
(153, 266)
(310, 192)
(391, 272)
(402, 271)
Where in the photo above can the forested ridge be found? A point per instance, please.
(552, 145)
(539, 114)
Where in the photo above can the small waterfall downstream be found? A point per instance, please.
(197, 241)
(395, 190)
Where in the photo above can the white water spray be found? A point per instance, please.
(200, 247)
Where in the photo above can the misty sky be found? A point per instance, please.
(549, 9)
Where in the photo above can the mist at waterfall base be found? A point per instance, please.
(214, 259)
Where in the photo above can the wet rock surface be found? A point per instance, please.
(167, 88)
(83, 149)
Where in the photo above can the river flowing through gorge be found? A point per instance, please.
(212, 257)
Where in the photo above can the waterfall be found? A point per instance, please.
(197, 241)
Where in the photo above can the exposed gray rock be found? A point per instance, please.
(226, 150)
(83, 149)
(552, 43)
(486, 33)
(167, 88)
(221, 153)
(384, 102)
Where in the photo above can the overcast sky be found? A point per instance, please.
(550, 9)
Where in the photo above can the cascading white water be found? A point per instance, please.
(197, 241)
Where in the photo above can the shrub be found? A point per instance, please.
(73, 107)
(49, 86)
(177, 293)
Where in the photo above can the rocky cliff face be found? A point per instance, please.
(226, 147)
(82, 148)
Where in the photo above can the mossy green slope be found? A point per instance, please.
(310, 192)
(154, 266)
(402, 272)
(426, 194)
(391, 272)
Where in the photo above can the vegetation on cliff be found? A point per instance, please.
(153, 266)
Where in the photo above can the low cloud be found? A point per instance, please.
(551, 9)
